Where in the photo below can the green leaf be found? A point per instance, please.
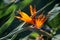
(21, 5)
(54, 19)
(4, 6)
(54, 12)
(34, 35)
(8, 11)
(55, 22)
(24, 3)
(7, 23)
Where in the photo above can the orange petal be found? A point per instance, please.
(31, 10)
(20, 18)
(34, 10)
(38, 23)
(43, 19)
(40, 16)
(25, 16)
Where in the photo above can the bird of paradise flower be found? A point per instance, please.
(37, 22)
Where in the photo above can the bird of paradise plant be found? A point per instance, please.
(37, 22)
